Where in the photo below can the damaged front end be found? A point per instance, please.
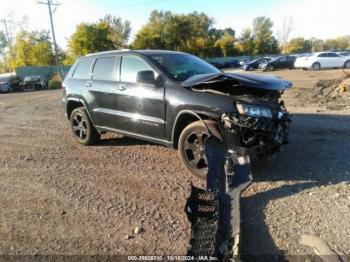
(259, 117)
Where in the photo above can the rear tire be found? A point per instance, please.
(316, 66)
(82, 128)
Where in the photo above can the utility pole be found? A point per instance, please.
(49, 4)
(8, 41)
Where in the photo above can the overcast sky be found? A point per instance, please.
(312, 18)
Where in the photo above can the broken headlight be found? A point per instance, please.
(253, 111)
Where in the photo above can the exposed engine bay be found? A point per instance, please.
(261, 120)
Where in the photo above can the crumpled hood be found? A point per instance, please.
(260, 81)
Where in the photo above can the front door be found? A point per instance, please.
(140, 107)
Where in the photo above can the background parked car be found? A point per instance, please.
(31, 83)
(9, 83)
(317, 61)
(244, 61)
(254, 64)
(225, 64)
(279, 63)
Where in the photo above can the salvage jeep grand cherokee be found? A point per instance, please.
(159, 96)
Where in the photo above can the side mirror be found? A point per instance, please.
(146, 77)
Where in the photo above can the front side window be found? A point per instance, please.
(104, 69)
(182, 66)
(82, 71)
(332, 55)
(132, 64)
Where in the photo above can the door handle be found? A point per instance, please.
(88, 84)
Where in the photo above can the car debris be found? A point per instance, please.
(214, 212)
(261, 121)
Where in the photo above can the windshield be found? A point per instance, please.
(183, 66)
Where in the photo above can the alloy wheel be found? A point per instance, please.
(80, 126)
(194, 149)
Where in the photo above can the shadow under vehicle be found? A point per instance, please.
(153, 95)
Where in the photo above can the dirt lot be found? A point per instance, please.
(57, 197)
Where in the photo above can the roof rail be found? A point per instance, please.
(107, 52)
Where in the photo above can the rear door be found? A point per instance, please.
(101, 91)
(140, 107)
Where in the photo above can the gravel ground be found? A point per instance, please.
(57, 197)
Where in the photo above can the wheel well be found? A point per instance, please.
(183, 121)
(71, 105)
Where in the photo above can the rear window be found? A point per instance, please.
(104, 69)
(83, 69)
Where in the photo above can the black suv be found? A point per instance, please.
(171, 98)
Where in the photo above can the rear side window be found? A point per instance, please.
(104, 69)
(82, 71)
(323, 55)
(131, 65)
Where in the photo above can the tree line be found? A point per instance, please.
(194, 33)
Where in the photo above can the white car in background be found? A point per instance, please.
(316, 61)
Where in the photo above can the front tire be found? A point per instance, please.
(347, 64)
(191, 149)
(82, 128)
(316, 66)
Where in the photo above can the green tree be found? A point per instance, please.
(119, 30)
(339, 43)
(150, 36)
(106, 34)
(245, 44)
(182, 32)
(317, 45)
(32, 48)
(226, 45)
(298, 45)
(264, 41)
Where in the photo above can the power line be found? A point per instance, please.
(49, 4)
